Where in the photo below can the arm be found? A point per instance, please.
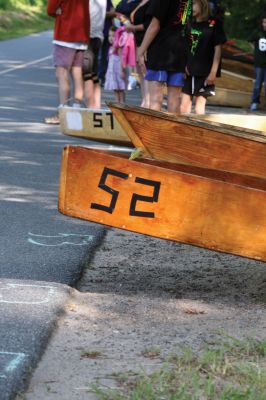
(215, 65)
(52, 7)
(150, 34)
(134, 28)
(111, 13)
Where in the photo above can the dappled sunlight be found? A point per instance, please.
(19, 194)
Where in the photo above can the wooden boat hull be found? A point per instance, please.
(98, 125)
(238, 67)
(233, 98)
(194, 141)
(214, 210)
(233, 81)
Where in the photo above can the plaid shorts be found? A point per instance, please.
(67, 57)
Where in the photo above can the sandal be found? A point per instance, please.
(53, 120)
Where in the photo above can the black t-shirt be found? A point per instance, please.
(168, 50)
(204, 37)
(141, 17)
(259, 39)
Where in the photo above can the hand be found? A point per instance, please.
(210, 79)
(130, 28)
(58, 11)
(141, 57)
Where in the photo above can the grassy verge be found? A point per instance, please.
(23, 22)
(232, 370)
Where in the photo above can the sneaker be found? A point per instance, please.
(254, 107)
(53, 120)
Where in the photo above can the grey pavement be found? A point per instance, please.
(42, 253)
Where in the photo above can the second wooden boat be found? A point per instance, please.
(99, 125)
(196, 141)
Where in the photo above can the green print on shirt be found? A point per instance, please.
(195, 37)
(184, 12)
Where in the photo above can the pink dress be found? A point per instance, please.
(125, 42)
(113, 80)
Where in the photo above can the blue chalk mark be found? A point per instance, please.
(73, 239)
(16, 360)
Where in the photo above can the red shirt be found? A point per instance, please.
(73, 24)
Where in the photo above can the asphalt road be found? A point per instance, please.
(42, 253)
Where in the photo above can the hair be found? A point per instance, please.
(205, 9)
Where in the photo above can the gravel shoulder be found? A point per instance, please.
(138, 293)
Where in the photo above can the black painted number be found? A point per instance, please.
(149, 199)
(97, 120)
(108, 189)
(135, 197)
(111, 119)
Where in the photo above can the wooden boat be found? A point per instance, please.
(99, 125)
(199, 206)
(238, 67)
(231, 51)
(233, 98)
(196, 141)
(232, 81)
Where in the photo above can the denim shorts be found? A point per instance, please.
(170, 78)
(67, 57)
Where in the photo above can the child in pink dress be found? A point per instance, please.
(121, 55)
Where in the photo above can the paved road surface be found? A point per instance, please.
(41, 251)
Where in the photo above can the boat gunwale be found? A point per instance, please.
(225, 177)
(240, 132)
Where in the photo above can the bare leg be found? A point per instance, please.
(173, 102)
(78, 83)
(88, 92)
(200, 104)
(117, 96)
(156, 95)
(92, 94)
(121, 96)
(97, 95)
(186, 103)
(144, 88)
(62, 76)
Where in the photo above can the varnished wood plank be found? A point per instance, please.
(233, 98)
(246, 121)
(233, 81)
(168, 203)
(238, 67)
(195, 141)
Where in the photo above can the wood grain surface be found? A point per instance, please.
(194, 141)
(224, 212)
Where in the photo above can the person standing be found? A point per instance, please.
(92, 87)
(139, 23)
(207, 37)
(71, 37)
(165, 42)
(103, 59)
(259, 39)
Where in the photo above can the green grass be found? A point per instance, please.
(231, 370)
(23, 22)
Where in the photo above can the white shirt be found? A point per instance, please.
(72, 45)
(97, 17)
